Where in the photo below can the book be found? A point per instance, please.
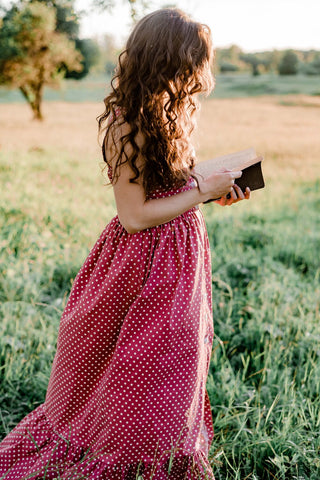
(245, 160)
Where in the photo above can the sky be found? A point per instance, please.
(254, 25)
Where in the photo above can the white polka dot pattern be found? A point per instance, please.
(126, 397)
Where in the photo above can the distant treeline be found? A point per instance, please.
(284, 62)
(234, 59)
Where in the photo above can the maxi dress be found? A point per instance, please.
(127, 394)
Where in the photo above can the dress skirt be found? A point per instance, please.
(126, 398)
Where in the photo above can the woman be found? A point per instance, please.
(126, 396)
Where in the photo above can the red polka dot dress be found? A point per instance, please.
(126, 398)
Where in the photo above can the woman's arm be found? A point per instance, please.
(136, 213)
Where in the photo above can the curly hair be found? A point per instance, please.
(167, 60)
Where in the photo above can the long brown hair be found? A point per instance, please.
(166, 61)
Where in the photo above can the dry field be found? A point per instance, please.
(284, 129)
(63, 150)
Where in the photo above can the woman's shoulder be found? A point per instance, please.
(117, 145)
(117, 124)
(121, 128)
(117, 127)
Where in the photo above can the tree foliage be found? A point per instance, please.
(233, 59)
(313, 67)
(90, 55)
(289, 64)
(32, 53)
(67, 19)
(226, 67)
(67, 22)
(253, 61)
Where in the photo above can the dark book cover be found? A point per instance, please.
(251, 177)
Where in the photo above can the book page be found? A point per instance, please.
(232, 161)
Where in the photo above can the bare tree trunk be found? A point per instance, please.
(35, 103)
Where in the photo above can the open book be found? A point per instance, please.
(245, 160)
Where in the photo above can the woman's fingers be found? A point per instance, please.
(233, 193)
(239, 192)
(236, 195)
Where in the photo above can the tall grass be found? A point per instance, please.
(265, 367)
(264, 377)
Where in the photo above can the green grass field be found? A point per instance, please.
(264, 379)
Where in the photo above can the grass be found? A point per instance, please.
(94, 87)
(245, 85)
(264, 378)
(265, 361)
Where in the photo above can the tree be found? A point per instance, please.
(226, 67)
(90, 52)
(253, 60)
(228, 59)
(32, 53)
(289, 63)
(312, 68)
(67, 20)
(272, 60)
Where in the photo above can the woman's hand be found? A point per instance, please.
(235, 196)
(219, 184)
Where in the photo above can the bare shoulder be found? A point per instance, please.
(119, 129)
(116, 146)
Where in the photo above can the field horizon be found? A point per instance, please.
(94, 87)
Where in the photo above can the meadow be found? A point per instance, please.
(228, 85)
(264, 378)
